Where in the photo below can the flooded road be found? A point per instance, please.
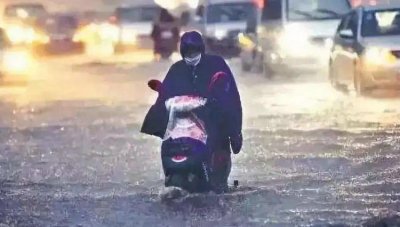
(71, 153)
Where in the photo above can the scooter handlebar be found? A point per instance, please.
(155, 85)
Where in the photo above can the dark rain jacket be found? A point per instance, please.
(223, 118)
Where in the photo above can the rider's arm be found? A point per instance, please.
(156, 120)
(233, 104)
(233, 111)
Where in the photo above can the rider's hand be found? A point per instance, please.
(236, 143)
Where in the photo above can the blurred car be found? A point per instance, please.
(366, 52)
(15, 63)
(61, 29)
(291, 35)
(221, 21)
(22, 24)
(135, 24)
(96, 33)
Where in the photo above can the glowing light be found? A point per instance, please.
(17, 62)
(220, 34)
(169, 4)
(193, 3)
(294, 40)
(379, 56)
(108, 32)
(20, 34)
(245, 41)
(177, 4)
(259, 3)
(22, 13)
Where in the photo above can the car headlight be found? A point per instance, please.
(16, 61)
(41, 37)
(328, 43)
(220, 34)
(19, 34)
(379, 56)
(128, 36)
(77, 37)
(294, 39)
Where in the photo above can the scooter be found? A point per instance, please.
(167, 42)
(184, 153)
(186, 158)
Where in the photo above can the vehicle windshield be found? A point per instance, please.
(145, 14)
(232, 12)
(61, 23)
(303, 10)
(25, 11)
(381, 23)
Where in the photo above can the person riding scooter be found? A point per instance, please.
(165, 34)
(193, 76)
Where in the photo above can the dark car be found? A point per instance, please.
(366, 52)
(221, 21)
(61, 28)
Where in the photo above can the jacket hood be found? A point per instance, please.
(191, 39)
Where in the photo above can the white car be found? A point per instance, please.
(292, 35)
(366, 52)
(135, 25)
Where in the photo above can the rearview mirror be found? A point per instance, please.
(154, 85)
(346, 34)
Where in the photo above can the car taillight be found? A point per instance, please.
(113, 20)
(363, 2)
(259, 3)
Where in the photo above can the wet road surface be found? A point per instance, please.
(71, 153)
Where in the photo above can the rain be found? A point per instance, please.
(319, 149)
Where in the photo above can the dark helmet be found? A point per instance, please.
(165, 16)
(191, 42)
